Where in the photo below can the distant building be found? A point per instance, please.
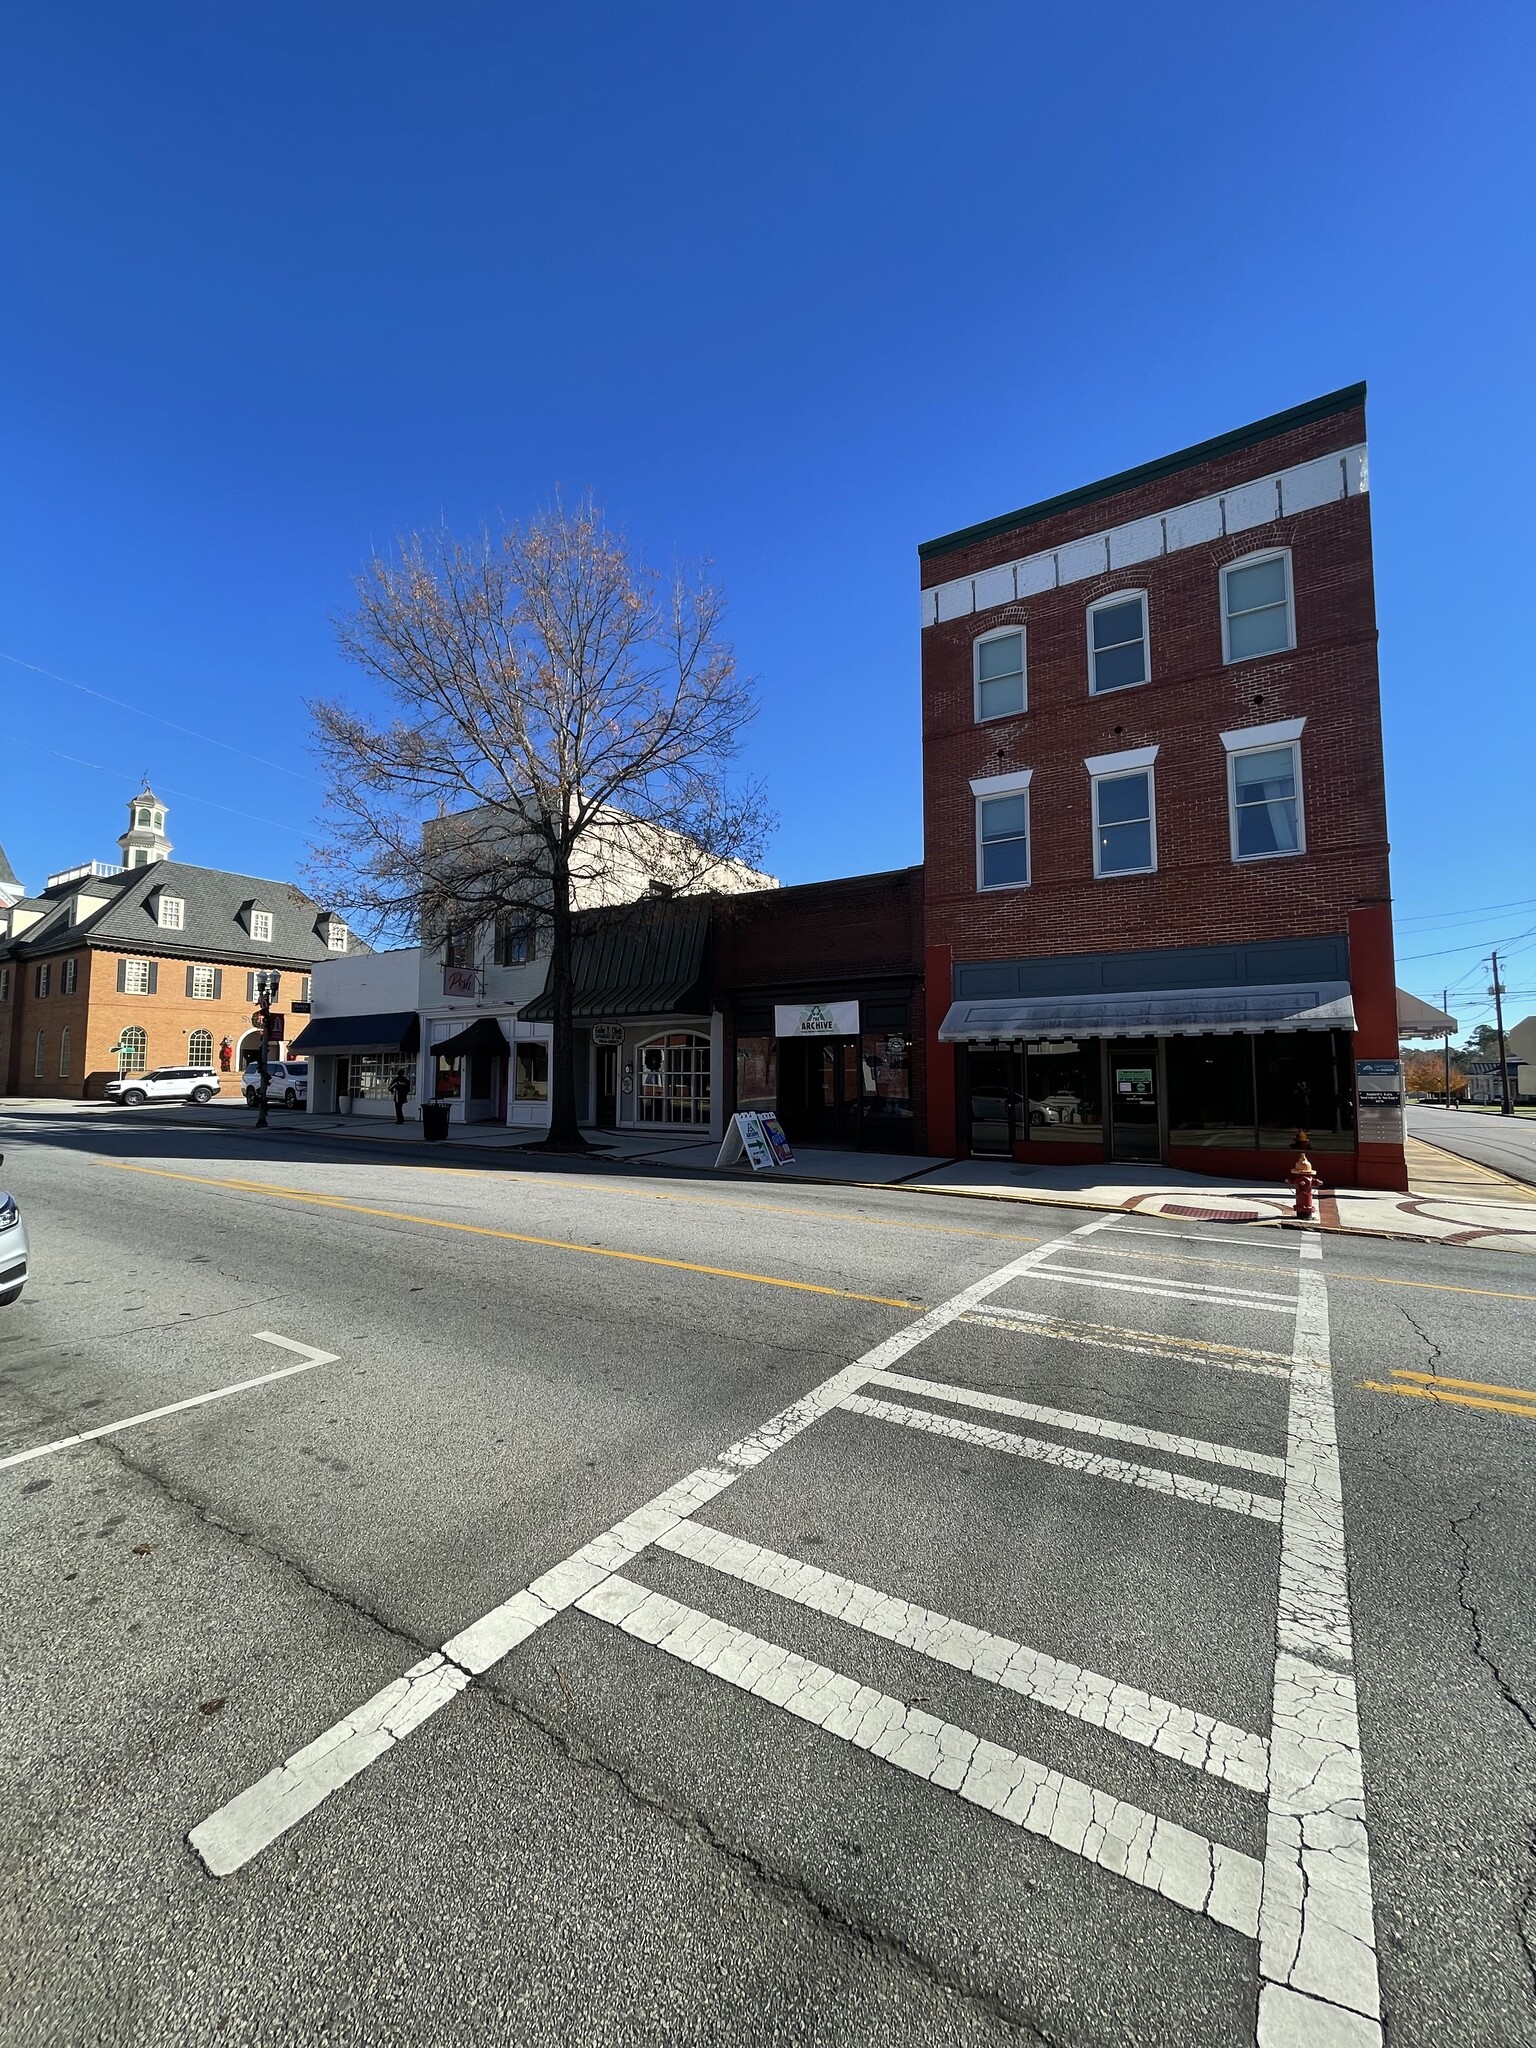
(117, 969)
(11, 887)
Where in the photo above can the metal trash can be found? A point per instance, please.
(434, 1122)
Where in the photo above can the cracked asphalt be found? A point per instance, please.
(600, 1840)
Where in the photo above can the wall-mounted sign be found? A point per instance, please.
(607, 1034)
(1135, 1082)
(1379, 1102)
(460, 981)
(815, 1020)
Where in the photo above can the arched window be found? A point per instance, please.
(674, 1079)
(144, 818)
(200, 1049)
(64, 1054)
(132, 1050)
(39, 1055)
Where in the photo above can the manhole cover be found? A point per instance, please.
(1213, 1215)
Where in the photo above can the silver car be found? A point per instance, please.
(13, 1248)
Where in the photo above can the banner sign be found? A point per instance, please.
(1379, 1102)
(759, 1139)
(460, 981)
(815, 1020)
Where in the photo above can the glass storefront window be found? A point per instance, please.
(446, 1085)
(1303, 1083)
(674, 1079)
(757, 1072)
(1210, 1091)
(885, 1061)
(370, 1073)
(1063, 1093)
(530, 1071)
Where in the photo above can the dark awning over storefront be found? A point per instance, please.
(391, 1031)
(645, 962)
(1154, 1013)
(484, 1035)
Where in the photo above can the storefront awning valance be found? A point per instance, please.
(647, 961)
(1416, 1019)
(484, 1035)
(1153, 1013)
(390, 1031)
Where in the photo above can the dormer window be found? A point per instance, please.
(172, 911)
(336, 935)
(261, 926)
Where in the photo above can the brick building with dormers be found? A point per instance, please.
(119, 969)
(1157, 903)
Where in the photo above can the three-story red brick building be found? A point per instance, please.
(1157, 903)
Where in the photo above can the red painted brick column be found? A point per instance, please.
(1373, 981)
(937, 984)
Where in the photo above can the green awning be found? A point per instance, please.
(645, 960)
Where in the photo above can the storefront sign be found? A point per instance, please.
(460, 981)
(1379, 1101)
(607, 1034)
(746, 1137)
(815, 1020)
(1135, 1082)
(773, 1131)
(1043, 1047)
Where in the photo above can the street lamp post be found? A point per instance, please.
(266, 985)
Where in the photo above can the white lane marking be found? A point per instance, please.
(1092, 1464)
(256, 1817)
(1148, 1343)
(1317, 1936)
(1195, 1739)
(1156, 1283)
(1204, 1876)
(311, 1358)
(1228, 1297)
(1087, 1425)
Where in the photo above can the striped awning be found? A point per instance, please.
(1153, 1013)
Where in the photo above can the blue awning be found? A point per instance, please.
(389, 1031)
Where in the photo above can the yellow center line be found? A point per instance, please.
(1437, 1379)
(1461, 1400)
(554, 1244)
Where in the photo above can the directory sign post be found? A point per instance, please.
(1379, 1101)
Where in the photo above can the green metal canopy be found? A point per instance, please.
(644, 960)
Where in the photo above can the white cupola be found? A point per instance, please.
(145, 842)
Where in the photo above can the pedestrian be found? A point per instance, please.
(400, 1089)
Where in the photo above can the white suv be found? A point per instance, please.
(164, 1084)
(287, 1082)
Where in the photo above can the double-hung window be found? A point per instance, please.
(135, 977)
(1264, 790)
(336, 936)
(201, 985)
(1117, 642)
(171, 909)
(1124, 813)
(1002, 830)
(999, 660)
(1256, 614)
(261, 926)
(43, 980)
(68, 976)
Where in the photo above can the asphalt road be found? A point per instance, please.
(1505, 1142)
(1062, 1486)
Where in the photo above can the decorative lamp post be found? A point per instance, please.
(266, 988)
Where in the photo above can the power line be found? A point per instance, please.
(1466, 910)
(182, 795)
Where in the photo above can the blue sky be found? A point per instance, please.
(793, 288)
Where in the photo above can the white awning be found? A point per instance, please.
(1417, 1019)
(1153, 1013)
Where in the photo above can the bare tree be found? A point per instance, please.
(562, 731)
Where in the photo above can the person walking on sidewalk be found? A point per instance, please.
(400, 1089)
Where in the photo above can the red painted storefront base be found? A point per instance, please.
(1372, 1166)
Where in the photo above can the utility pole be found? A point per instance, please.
(1445, 1004)
(1506, 1107)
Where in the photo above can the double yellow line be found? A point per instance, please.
(1428, 1386)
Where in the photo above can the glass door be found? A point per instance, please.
(990, 1088)
(1135, 1117)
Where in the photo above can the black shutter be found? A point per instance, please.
(218, 983)
(122, 976)
(189, 981)
(154, 976)
(250, 988)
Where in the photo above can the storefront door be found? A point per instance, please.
(607, 1087)
(1135, 1118)
(819, 1090)
(992, 1072)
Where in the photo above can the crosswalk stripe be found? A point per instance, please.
(1146, 1343)
(1086, 1425)
(1075, 1276)
(1199, 1740)
(1093, 1464)
(1204, 1876)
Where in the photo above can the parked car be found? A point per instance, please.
(287, 1082)
(13, 1248)
(164, 1084)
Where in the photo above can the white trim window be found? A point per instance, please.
(1124, 813)
(39, 1056)
(68, 977)
(200, 1049)
(1118, 654)
(336, 935)
(42, 981)
(1002, 830)
(64, 1054)
(261, 926)
(132, 1050)
(203, 987)
(135, 977)
(998, 660)
(172, 912)
(1257, 614)
(1264, 790)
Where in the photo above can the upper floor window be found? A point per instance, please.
(1256, 616)
(143, 819)
(159, 821)
(1264, 787)
(306, 983)
(999, 660)
(1002, 830)
(273, 982)
(140, 857)
(458, 948)
(203, 983)
(1124, 829)
(336, 935)
(261, 925)
(171, 911)
(514, 941)
(5, 984)
(137, 977)
(42, 981)
(1117, 642)
(68, 976)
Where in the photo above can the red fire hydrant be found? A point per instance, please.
(1306, 1181)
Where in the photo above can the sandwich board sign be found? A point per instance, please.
(757, 1138)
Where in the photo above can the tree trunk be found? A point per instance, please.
(564, 1130)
